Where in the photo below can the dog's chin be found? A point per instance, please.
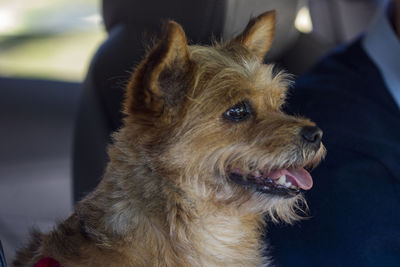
(273, 203)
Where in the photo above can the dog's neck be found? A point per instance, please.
(232, 237)
(186, 230)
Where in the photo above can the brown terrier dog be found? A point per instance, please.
(205, 153)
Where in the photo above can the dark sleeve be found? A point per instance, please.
(354, 203)
(2, 256)
(352, 217)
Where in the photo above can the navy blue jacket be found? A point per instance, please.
(355, 201)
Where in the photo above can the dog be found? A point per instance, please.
(205, 155)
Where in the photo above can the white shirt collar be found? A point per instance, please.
(383, 47)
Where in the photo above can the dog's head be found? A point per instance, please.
(209, 119)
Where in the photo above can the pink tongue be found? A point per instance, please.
(301, 177)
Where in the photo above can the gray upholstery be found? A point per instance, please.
(201, 19)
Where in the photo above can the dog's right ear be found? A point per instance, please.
(160, 81)
(258, 35)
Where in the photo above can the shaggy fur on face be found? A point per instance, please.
(194, 171)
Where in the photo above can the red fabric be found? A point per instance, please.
(47, 262)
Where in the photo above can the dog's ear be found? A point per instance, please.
(258, 34)
(161, 79)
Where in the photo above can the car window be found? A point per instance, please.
(48, 39)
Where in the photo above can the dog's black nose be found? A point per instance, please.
(311, 134)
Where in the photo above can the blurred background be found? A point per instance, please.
(50, 40)
(46, 47)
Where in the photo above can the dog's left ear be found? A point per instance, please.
(258, 34)
(160, 81)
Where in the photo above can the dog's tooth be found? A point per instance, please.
(282, 180)
(293, 187)
(265, 187)
(288, 184)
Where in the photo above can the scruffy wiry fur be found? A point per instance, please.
(165, 198)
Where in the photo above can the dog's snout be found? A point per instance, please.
(311, 134)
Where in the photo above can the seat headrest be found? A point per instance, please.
(205, 18)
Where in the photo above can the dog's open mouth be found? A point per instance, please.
(284, 182)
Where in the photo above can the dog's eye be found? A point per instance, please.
(239, 112)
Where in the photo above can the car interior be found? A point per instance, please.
(54, 134)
